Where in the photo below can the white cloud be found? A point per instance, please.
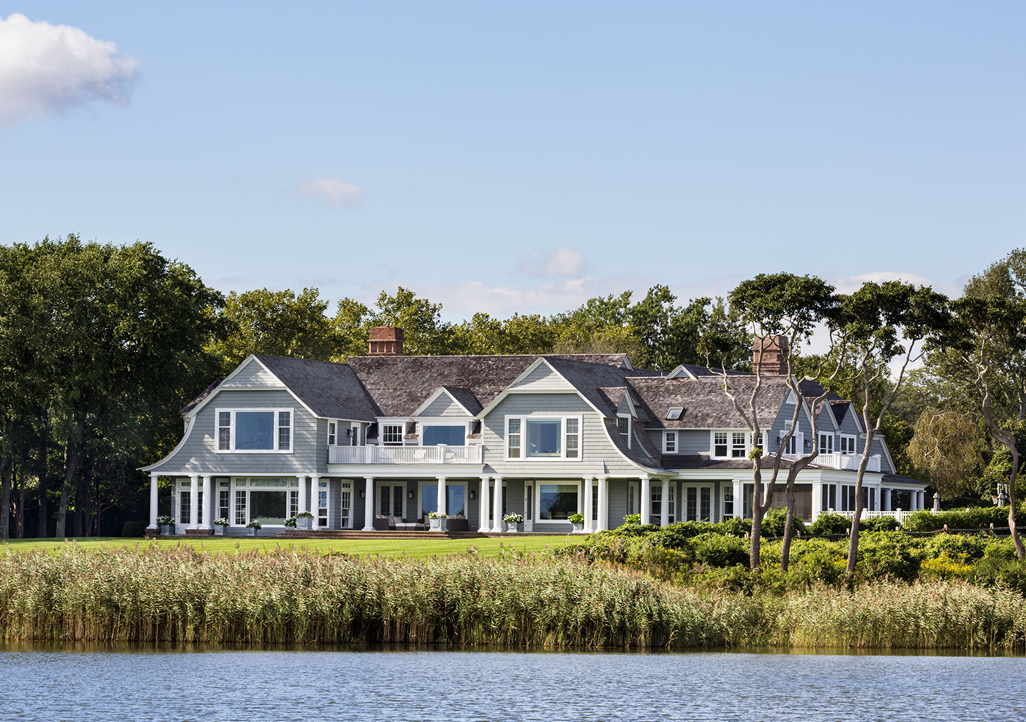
(336, 193)
(561, 261)
(49, 68)
(850, 284)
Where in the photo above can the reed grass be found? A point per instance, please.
(294, 597)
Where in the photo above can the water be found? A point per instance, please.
(64, 683)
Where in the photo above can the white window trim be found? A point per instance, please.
(562, 430)
(382, 423)
(682, 512)
(422, 422)
(537, 506)
(830, 436)
(676, 441)
(234, 411)
(854, 444)
(730, 443)
(630, 427)
(332, 432)
(241, 483)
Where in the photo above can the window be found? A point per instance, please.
(449, 435)
(674, 414)
(224, 430)
(322, 504)
(254, 430)
(594, 502)
(847, 444)
(240, 507)
(826, 443)
(293, 503)
(556, 502)
(513, 439)
(223, 499)
(728, 501)
(623, 425)
(573, 438)
(720, 444)
(543, 437)
(738, 444)
(528, 437)
(392, 434)
(670, 442)
(332, 437)
(656, 501)
(184, 508)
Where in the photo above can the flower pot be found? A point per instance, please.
(514, 527)
(436, 523)
(166, 529)
(218, 529)
(578, 527)
(251, 531)
(303, 522)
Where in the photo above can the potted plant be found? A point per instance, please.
(219, 526)
(290, 523)
(577, 520)
(436, 521)
(253, 527)
(632, 519)
(514, 522)
(304, 520)
(166, 524)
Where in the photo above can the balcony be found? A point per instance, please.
(407, 455)
(847, 462)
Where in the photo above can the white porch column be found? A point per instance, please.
(497, 506)
(483, 506)
(885, 499)
(646, 500)
(368, 505)
(208, 504)
(154, 499)
(739, 501)
(302, 495)
(441, 495)
(664, 505)
(817, 499)
(194, 502)
(603, 510)
(921, 500)
(588, 506)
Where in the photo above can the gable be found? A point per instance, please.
(250, 375)
(542, 378)
(443, 405)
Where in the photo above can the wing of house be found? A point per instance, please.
(385, 440)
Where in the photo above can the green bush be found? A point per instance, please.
(720, 550)
(878, 523)
(736, 525)
(980, 517)
(828, 523)
(998, 548)
(969, 547)
(998, 572)
(133, 529)
(817, 562)
(774, 521)
(884, 556)
(677, 536)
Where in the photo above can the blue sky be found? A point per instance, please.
(506, 157)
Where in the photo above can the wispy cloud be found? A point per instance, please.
(334, 192)
(50, 68)
(566, 262)
(848, 284)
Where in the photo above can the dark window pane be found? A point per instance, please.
(254, 430)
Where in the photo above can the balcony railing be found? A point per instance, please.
(413, 455)
(898, 514)
(848, 462)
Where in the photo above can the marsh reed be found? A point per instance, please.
(178, 595)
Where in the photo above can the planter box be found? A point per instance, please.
(250, 531)
(578, 528)
(437, 524)
(303, 522)
(514, 527)
(167, 529)
(218, 530)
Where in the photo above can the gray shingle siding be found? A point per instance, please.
(598, 455)
(444, 406)
(253, 374)
(542, 378)
(198, 454)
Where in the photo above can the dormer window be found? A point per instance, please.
(623, 425)
(674, 414)
(392, 434)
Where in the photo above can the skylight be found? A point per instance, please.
(674, 414)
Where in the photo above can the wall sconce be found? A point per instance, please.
(411, 495)
(363, 494)
(349, 433)
(473, 495)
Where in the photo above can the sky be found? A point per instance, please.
(520, 157)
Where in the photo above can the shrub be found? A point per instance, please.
(817, 562)
(980, 517)
(878, 523)
(736, 526)
(630, 530)
(828, 523)
(719, 550)
(969, 547)
(1000, 549)
(677, 536)
(773, 523)
(887, 556)
(133, 529)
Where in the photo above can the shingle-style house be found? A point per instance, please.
(386, 439)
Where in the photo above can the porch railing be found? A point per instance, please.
(413, 455)
(898, 514)
(847, 462)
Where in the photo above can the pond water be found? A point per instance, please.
(87, 683)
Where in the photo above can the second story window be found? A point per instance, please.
(332, 436)
(623, 425)
(528, 437)
(392, 434)
(573, 435)
(259, 430)
(738, 445)
(826, 443)
(670, 442)
(730, 444)
(284, 430)
(224, 430)
(513, 439)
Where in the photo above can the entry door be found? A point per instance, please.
(347, 504)
(633, 497)
(391, 499)
(322, 505)
(698, 503)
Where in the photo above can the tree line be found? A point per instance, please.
(100, 344)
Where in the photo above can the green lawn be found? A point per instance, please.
(386, 547)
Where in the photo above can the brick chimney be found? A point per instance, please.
(769, 355)
(386, 341)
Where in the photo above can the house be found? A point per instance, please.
(388, 438)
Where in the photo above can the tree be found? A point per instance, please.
(277, 323)
(879, 323)
(947, 446)
(772, 307)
